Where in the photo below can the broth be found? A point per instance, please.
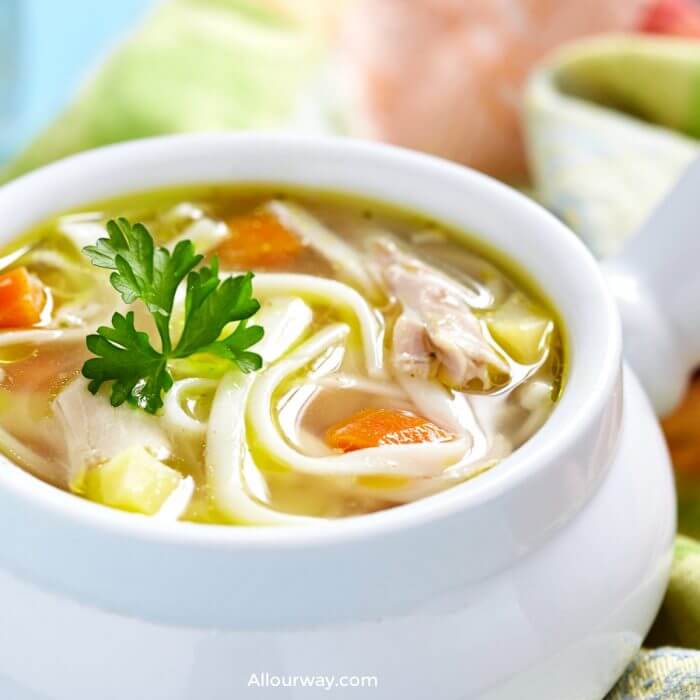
(401, 358)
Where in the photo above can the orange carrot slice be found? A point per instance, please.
(258, 240)
(21, 299)
(382, 426)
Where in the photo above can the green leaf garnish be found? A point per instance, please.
(125, 356)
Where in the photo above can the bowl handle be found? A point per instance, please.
(656, 281)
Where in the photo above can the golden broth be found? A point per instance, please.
(33, 372)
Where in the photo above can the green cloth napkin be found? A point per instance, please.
(610, 124)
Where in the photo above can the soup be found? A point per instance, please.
(373, 357)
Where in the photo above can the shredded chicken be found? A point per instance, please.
(94, 431)
(437, 332)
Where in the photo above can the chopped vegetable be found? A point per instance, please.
(133, 480)
(21, 299)
(520, 329)
(382, 426)
(258, 240)
(125, 355)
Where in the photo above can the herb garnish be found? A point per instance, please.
(125, 355)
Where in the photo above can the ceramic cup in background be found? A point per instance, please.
(539, 576)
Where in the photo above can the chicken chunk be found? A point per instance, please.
(437, 332)
(96, 432)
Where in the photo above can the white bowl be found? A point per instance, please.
(538, 577)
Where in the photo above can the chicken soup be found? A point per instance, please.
(265, 356)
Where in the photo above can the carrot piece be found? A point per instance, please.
(382, 426)
(258, 240)
(21, 299)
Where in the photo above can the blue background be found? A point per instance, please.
(47, 47)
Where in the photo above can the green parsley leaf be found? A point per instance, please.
(234, 347)
(210, 306)
(125, 356)
(142, 271)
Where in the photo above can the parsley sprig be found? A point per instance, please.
(142, 271)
